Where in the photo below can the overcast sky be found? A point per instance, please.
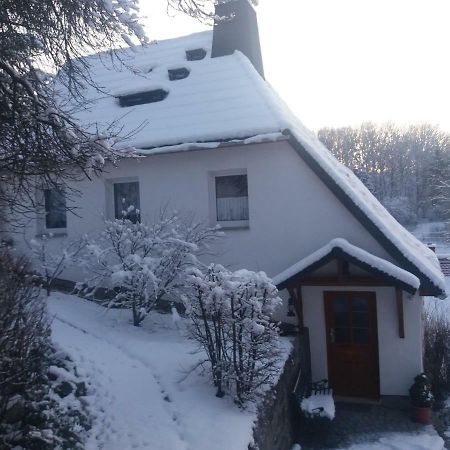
(342, 62)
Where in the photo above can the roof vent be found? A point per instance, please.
(196, 54)
(142, 98)
(178, 74)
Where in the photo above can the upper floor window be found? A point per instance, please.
(127, 200)
(55, 208)
(231, 199)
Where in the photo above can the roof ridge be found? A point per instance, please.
(262, 85)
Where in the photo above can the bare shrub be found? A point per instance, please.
(437, 352)
(51, 263)
(24, 330)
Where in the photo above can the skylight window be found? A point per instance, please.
(196, 54)
(178, 74)
(142, 98)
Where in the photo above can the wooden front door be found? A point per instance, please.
(352, 343)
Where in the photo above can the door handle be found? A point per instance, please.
(332, 338)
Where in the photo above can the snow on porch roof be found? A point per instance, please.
(225, 99)
(342, 248)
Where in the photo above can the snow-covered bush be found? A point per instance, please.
(51, 262)
(32, 412)
(145, 262)
(231, 320)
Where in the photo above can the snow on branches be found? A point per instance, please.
(40, 144)
(231, 320)
(202, 10)
(144, 263)
(51, 262)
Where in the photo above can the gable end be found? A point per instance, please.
(426, 284)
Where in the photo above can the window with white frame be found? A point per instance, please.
(55, 209)
(231, 199)
(126, 200)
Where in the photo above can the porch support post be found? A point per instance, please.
(400, 315)
(296, 296)
(340, 269)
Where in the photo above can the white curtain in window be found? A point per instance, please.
(232, 208)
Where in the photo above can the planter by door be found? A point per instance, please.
(352, 343)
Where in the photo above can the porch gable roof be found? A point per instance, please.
(340, 248)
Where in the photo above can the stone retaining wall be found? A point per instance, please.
(277, 424)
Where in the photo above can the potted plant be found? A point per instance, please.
(421, 399)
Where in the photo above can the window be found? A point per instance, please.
(126, 201)
(142, 98)
(231, 199)
(178, 74)
(55, 208)
(196, 54)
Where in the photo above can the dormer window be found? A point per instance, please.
(142, 98)
(196, 54)
(178, 74)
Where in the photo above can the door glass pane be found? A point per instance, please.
(126, 201)
(359, 304)
(360, 319)
(341, 320)
(341, 313)
(340, 305)
(342, 335)
(360, 335)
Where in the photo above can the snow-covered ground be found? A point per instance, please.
(140, 392)
(428, 440)
(404, 441)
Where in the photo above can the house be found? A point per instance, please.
(214, 138)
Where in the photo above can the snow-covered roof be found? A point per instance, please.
(380, 265)
(218, 101)
(225, 99)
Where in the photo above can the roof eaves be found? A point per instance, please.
(426, 283)
(212, 144)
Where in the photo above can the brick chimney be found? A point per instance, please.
(238, 31)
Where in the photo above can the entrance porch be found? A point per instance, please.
(364, 318)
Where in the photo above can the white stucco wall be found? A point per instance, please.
(400, 360)
(292, 213)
